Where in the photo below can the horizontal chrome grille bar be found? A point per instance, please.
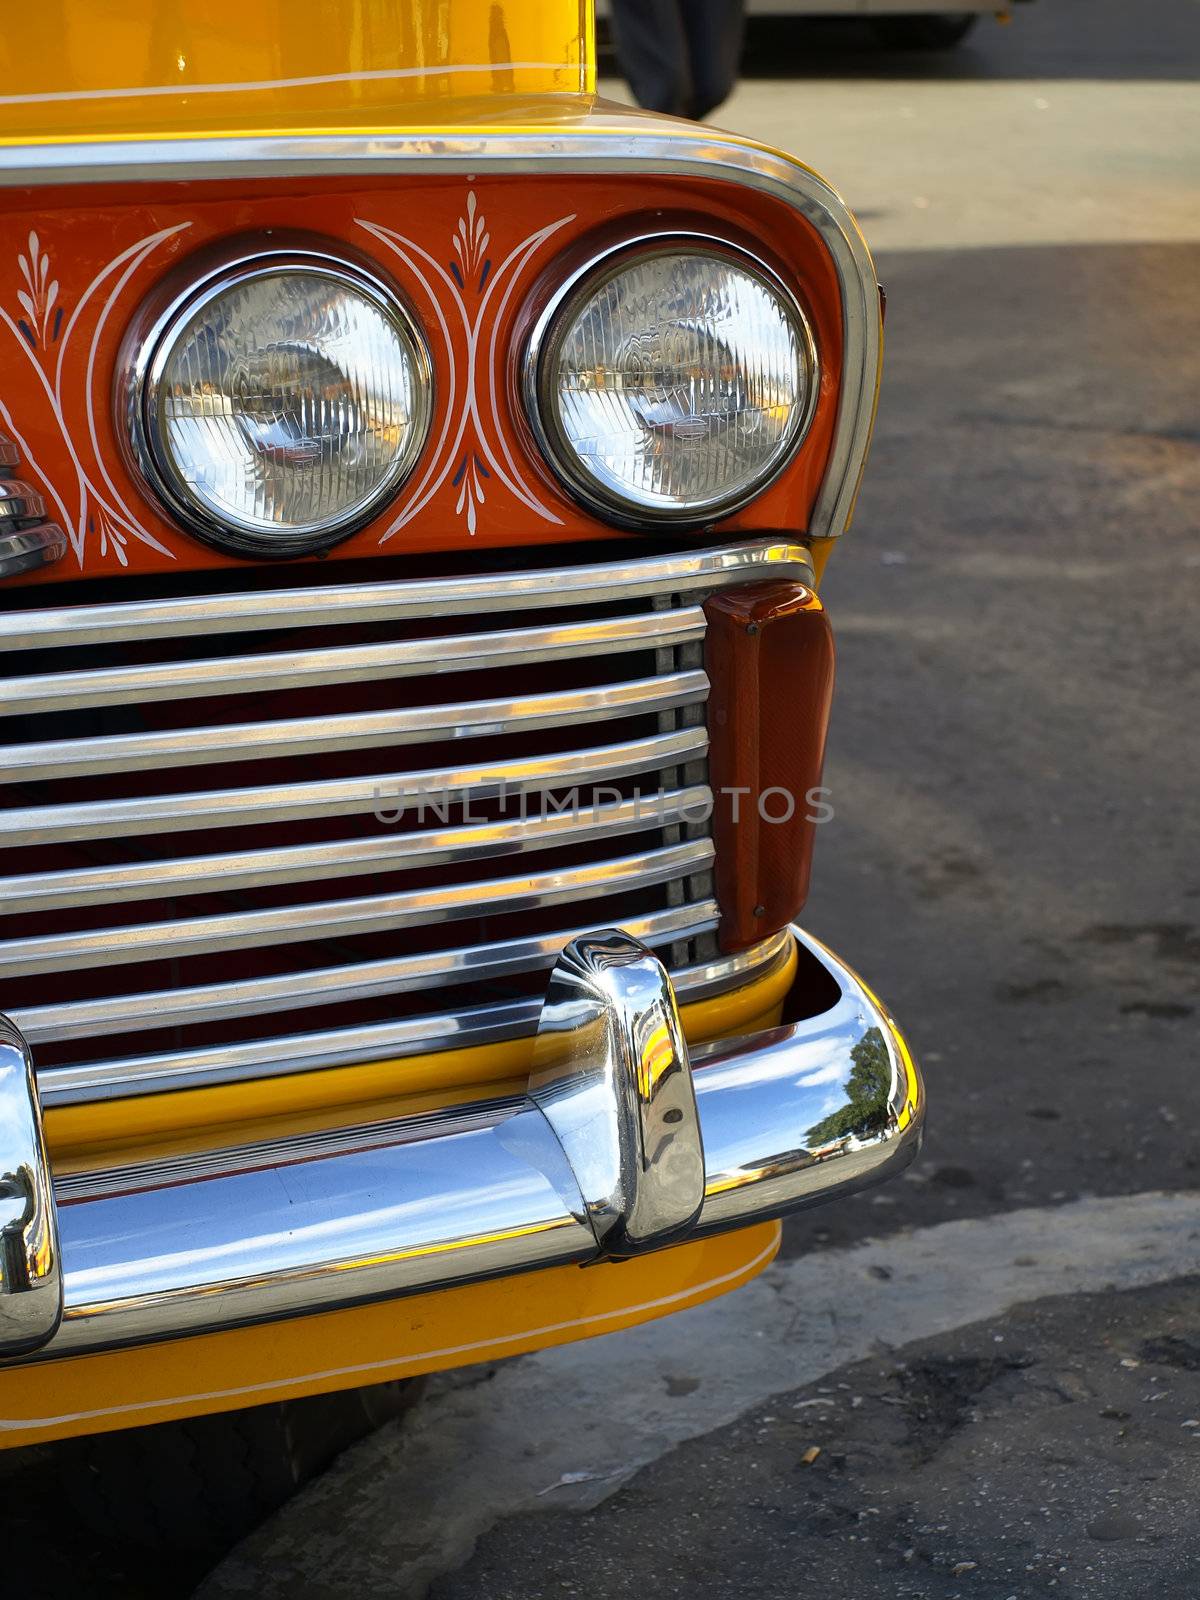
(392, 851)
(185, 747)
(326, 986)
(411, 908)
(336, 605)
(296, 669)
(345, 796)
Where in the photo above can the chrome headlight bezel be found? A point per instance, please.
(147, 350)
(579, 286)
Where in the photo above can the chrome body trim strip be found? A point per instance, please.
(321, 919)
(605, 141)
(346, 796)
(228, 675)
(410, 599)
(31, 1291)
(797, 1116)
(263, 741)
(26, 549)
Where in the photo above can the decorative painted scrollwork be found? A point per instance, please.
(472, 447)
(65, 369)
(38, 297)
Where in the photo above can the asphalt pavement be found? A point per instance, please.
(1048, 1452)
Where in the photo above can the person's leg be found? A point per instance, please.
(653, 53)
(715, 30)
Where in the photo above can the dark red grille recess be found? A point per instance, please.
(257, 832)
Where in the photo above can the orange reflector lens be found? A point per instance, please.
(769, 654)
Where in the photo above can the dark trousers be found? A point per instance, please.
(680, 56)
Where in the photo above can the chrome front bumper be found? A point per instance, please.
(625, 1143)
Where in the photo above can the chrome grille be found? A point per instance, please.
(27, 538)
(201, 878)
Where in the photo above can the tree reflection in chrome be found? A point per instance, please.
(868, 1087)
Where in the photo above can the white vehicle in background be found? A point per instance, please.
(900, 24)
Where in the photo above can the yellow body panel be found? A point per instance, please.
(132, 68)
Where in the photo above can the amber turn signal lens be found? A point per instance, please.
(769, 654)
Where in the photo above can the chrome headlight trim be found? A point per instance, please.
(583, 283)
(151, 341)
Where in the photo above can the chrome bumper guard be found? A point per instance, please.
(624, 1144)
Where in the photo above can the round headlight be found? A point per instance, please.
(671, 382)
(281, 403)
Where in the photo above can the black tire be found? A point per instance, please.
(940, 32)
(195, 1487)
